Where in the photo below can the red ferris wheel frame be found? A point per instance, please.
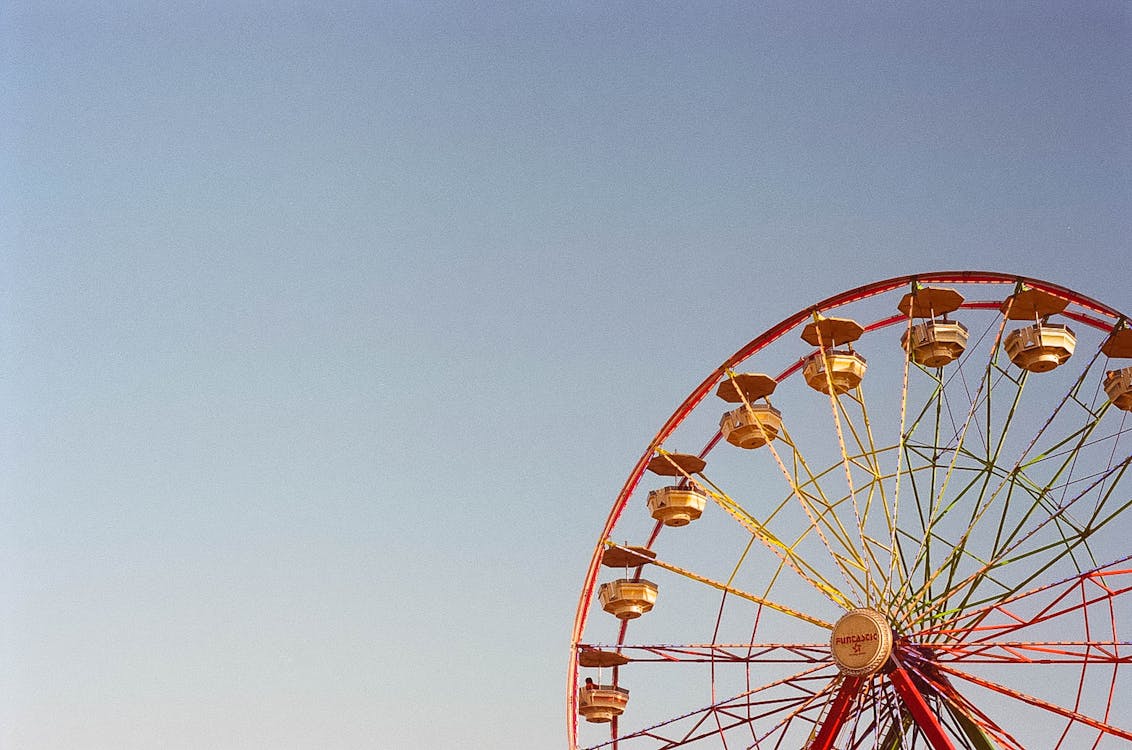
(1089, 312)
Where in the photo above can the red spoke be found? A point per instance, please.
(1034, 652)
(976, 716)
(1098, 577)
(914, 699)
(784, 708)
(838, 712)
(1039, 703)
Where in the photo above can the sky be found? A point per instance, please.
(330, 331)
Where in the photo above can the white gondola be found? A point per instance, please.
(676, 506)
(1040, 347)
(842, 369)
(627, 599)
(600, 703)
(751, 427)
(1118, 386)
(936, 343)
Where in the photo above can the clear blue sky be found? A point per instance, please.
(329, 331)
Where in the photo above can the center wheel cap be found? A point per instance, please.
(861, 642)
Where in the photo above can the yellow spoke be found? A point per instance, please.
(917, 598)
(792, 480)
(784, 552)
(834, 407)
(762, 601)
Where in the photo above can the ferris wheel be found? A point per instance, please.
(899, 518)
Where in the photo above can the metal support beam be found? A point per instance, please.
(974, 732)
(838, 712)
(917, 706)
(895, 735)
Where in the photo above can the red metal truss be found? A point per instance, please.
(1106, 586)
(917, 705)
(1035, 652)
(961, 707)
(1053, 708)
(811, 685)
(977, 575)
(838, 713)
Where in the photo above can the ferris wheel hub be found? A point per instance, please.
(861, 642)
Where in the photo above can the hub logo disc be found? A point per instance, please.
(861, 642)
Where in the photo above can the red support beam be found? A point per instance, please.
(908, 691)
(838, 712)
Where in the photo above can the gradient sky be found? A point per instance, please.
(330, 331)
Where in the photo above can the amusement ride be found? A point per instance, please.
(900, 518)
